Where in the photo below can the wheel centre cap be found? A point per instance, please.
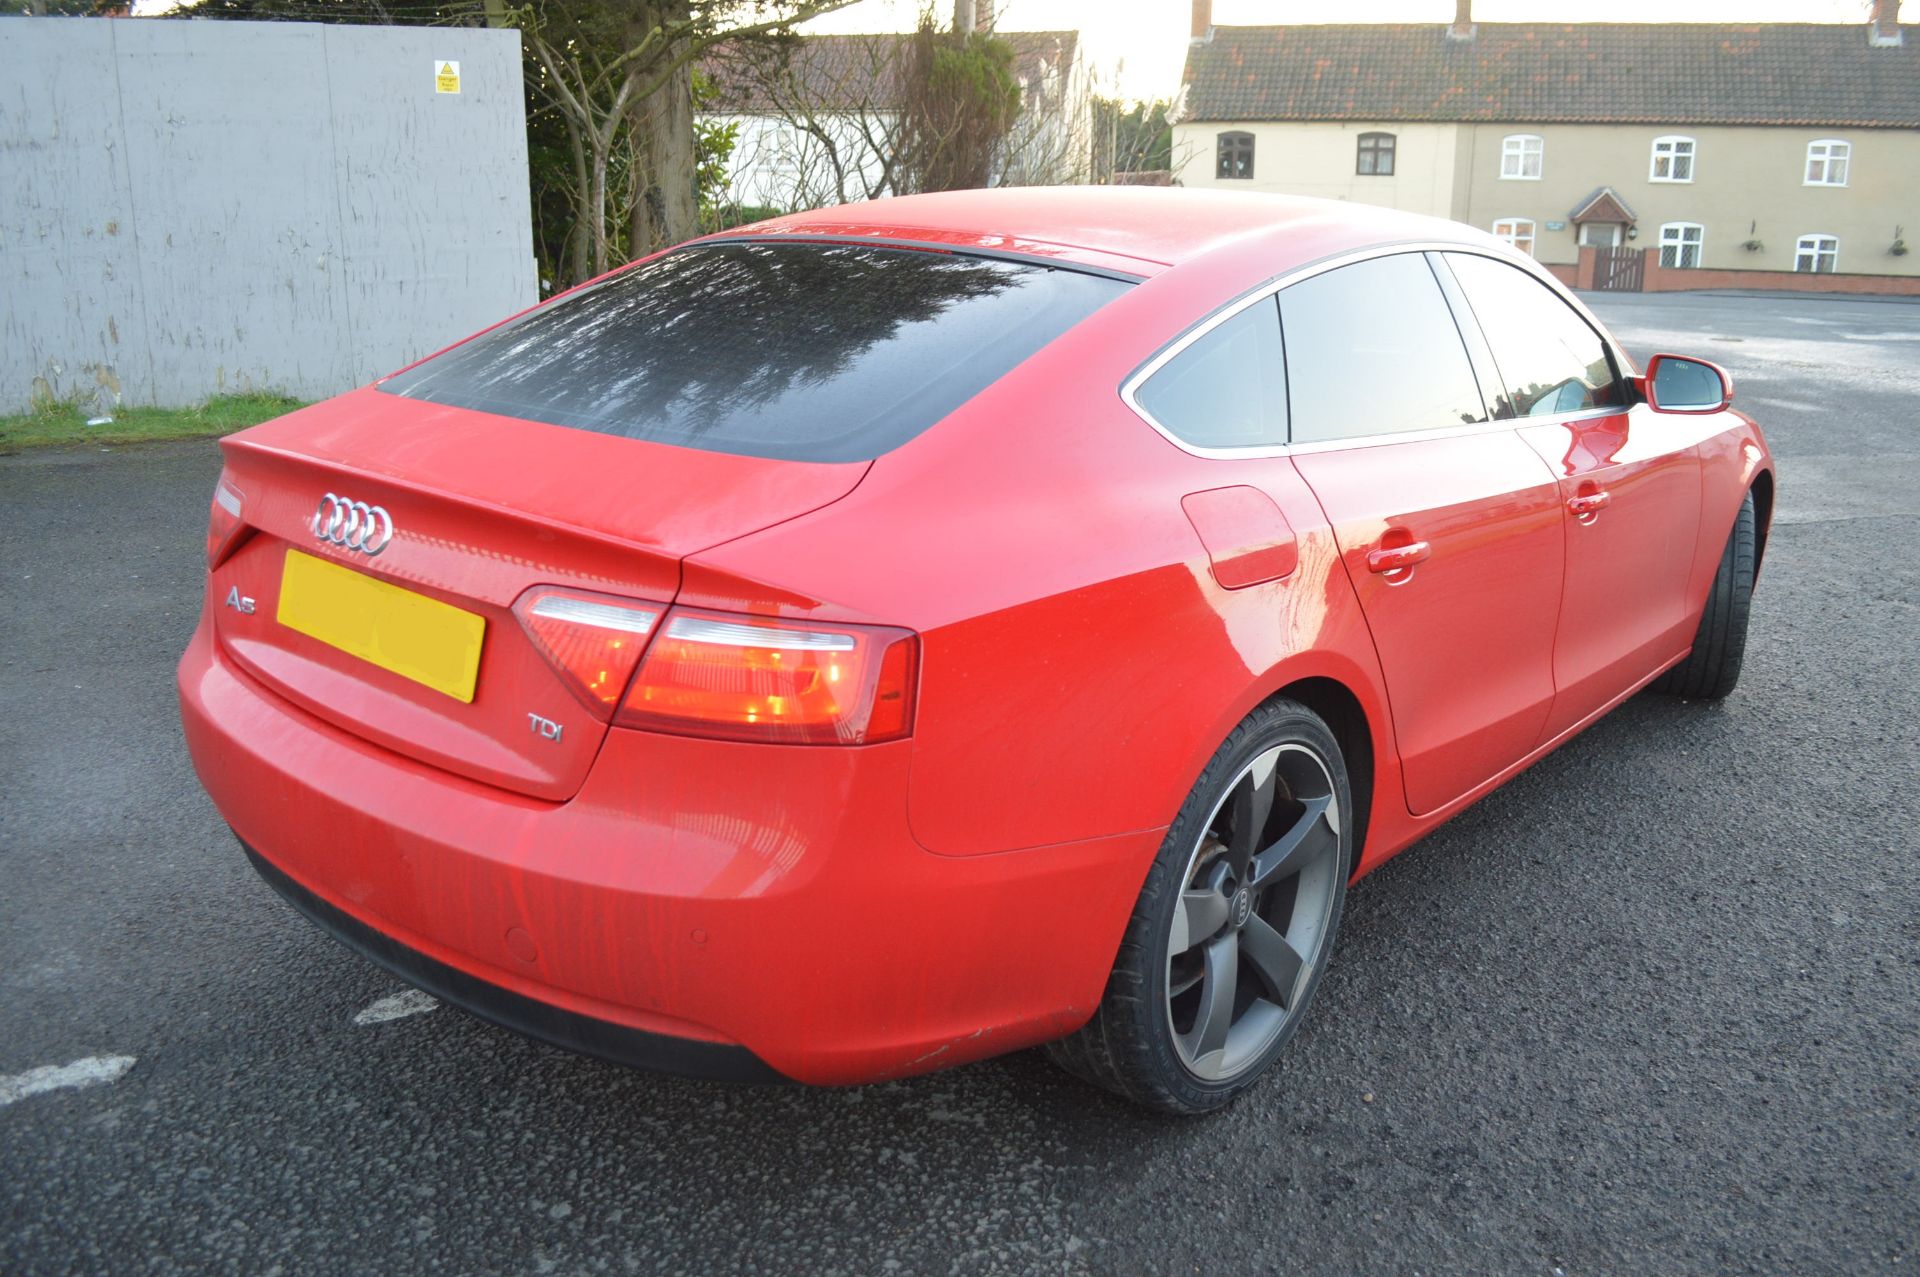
(1240, 908)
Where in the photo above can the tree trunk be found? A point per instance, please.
(596, 210)
(576, 263)
(668, 208)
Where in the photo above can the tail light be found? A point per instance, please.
(745, 678)
(594, 640)
(224, 526)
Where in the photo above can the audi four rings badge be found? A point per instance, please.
(352, 524)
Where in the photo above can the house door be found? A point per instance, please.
(1600, 234)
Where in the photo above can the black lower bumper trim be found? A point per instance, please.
(584, 1034)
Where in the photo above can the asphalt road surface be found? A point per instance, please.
(1653, 1007)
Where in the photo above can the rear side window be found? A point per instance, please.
(1372, 350)
(1550, 359)
(1226, 390)
(806, 352)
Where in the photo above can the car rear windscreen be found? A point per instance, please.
(805, 352)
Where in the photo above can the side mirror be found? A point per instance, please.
(1674, 383)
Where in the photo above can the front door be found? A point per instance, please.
(1629, 482)
(1449, 524)
(1600, 234)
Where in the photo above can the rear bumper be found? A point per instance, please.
(602, 1039)
(699, 907)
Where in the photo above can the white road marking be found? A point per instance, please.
(92, 1071)
(397, 1007)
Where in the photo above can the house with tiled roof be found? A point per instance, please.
(817, 120)
(1736, 154)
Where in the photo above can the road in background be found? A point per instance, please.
(1653, 1007)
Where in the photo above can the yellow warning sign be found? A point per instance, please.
(446, 77)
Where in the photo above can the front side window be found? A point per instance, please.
(1235, 157)
(1817, 254)
(1550, 359)
(1375, 157)
(1226, 390)
(1680, 245)
(1517, 231)
(1372, 349)
(1827, 162)
(1672, 159)
(805, 352)
(1523, 157)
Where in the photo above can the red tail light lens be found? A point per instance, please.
(744, 678)
(224, 527)
(594, 640)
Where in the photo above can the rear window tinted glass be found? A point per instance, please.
(1372, 350)
(1229, 388)
(800, 351)
(1550, 359)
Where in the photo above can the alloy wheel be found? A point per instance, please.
(1254, 913)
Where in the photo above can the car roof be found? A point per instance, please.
(1136, 230)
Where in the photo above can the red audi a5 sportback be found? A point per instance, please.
(892, 635)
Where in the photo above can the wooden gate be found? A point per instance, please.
(1619, 270)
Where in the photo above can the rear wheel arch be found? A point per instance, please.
(1762, 490)
(1337, 704)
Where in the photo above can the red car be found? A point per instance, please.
(893, 635)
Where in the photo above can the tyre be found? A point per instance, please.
(1712, 669)
(1232, 930)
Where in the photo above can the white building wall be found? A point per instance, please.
(837, 159)
(1319, 159)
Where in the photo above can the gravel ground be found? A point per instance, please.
(1653, 1007)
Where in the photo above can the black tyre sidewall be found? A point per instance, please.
(1162, 1080)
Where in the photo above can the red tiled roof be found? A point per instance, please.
(1598, 72)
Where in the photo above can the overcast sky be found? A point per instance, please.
(1145, 41)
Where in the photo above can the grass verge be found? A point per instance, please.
(64, 424)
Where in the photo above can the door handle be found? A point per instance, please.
(1398, 558)
(1589, 504)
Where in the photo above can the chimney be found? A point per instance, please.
(1884, 31)
(1202, 21)
(1462, 28)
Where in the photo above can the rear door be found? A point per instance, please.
(1448, 523)
(1629, 484)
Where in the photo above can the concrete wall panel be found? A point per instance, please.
(197, 207)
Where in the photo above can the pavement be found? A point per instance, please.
(1654, 1007)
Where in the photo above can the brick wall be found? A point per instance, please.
(1660, 279)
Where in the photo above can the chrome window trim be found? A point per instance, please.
(1271, 288)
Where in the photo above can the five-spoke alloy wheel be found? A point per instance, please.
(1254, 912)
(1234, 923)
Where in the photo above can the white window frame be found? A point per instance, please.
(1816, 246)
(1830, 153)
(1508, 231)
(1515, 150)
(1674, 235)
(1673, 148)
(1586, 239)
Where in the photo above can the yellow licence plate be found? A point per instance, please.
(410, 634)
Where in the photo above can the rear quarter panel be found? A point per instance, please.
(1080, 662)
